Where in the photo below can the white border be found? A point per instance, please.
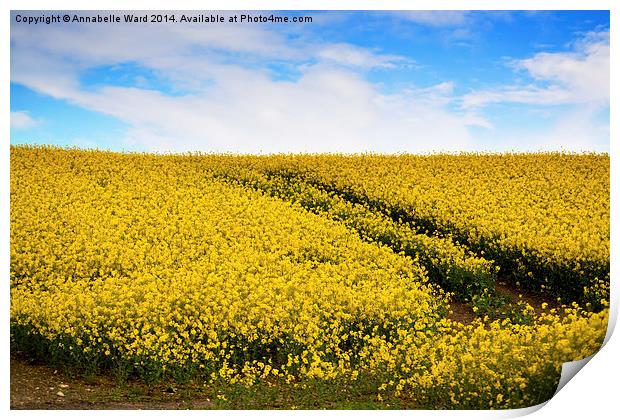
(590, 395)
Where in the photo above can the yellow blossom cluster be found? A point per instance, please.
(149, 259)
(543, 218)
(499, 365)
(154, 265)
(450, 265)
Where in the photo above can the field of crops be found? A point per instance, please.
(313, 271)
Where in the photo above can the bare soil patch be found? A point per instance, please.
(39, 387)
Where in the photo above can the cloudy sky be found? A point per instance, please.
(348, 81)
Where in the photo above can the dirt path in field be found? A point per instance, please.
(463, 312)
(534, 299)
(36, 387)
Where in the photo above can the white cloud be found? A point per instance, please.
(580, 76)
(350, 55)
(577, 79)
(227, 106)
(436, 18)
(576, 130)
(583, 73)
(226, 100)
(21, 120)
(529, 94)
(327, 109)
(127, 42)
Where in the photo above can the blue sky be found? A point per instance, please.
(357, 81)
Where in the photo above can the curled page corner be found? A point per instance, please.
(570, 369)
(520, 412)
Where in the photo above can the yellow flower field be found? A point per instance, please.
(543, 218)
(302, 271)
